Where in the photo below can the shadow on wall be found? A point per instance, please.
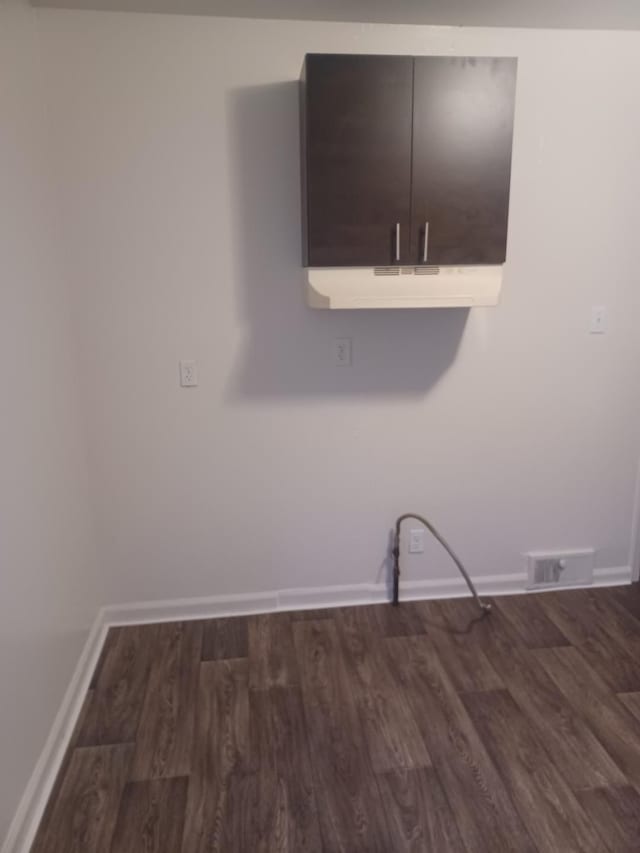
(287, 351)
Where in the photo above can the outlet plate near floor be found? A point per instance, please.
(416, 541)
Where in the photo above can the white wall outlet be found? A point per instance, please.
(342, 352)
(598, 320)
(416, 541)
(188, 374)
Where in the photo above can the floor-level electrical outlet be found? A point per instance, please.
(416, 541)
(547, 569)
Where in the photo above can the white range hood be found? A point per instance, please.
(403, 287)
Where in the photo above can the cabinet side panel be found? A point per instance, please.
(303, 163)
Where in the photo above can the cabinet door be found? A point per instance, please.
(358, 113)
(462, 134)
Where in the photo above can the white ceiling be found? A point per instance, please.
(578, 14)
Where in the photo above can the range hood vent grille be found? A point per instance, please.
(406, 270)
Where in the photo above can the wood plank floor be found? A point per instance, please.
(422, 728)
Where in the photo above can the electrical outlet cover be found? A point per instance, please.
(342, 352)
(416, 541)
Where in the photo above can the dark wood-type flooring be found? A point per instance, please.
(377, 729)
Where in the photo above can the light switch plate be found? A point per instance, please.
(188, 374)
(598, 320)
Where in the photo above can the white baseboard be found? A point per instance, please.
(620, 576)
(27, 818)
(31, 808)
(308, 598)
(183, 609)
(634, 546)
(455, 587)
(304, 598)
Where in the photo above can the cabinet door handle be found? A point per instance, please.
(397, 241)
(425, 254)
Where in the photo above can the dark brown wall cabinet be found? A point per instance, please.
(406, 160)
